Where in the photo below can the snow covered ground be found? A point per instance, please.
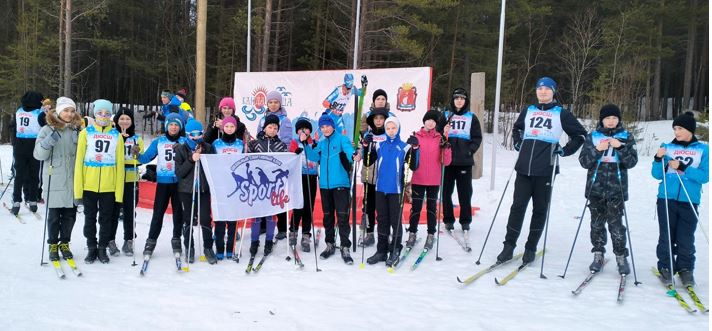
(114, 296)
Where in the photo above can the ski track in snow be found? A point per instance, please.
(114, 296)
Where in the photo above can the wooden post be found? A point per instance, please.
(477, 106)
(200, 62)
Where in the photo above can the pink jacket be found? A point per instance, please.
(428, 173)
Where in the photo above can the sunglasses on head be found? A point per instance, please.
(195, 133)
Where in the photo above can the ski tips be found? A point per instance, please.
(459, 280)
(671, 292)
(202, 258)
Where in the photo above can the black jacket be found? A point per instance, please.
(263, 144)
(214, 132)
(606, 184)
(185, 168)
(536, 156)
(463, 149)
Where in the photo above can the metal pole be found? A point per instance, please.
(356, 33)
(249, 39)
(495, 125)
(200, 61)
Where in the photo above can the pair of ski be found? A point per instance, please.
(396, 264)
(18, 217)
(297, 259)
(671, 291)
(72, 265)
(464, 242)
(255, 269)
(503, 281)
(592, 274)
(147, 259)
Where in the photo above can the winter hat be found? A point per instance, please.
(349, 80)
(378, 93)
(182, 93)
(47, 102)
(271, 119)
(227, 102)
(167, 94)
(459, 93)
(609, 110)
(686, 120)
(123, 111)
(326, 120)
(173, 118)
(547, 82)
(393, 120)
(274, 95)
(303, 123)
(375, 112)
(64, 103)
(102, 104)
(32, 100)
(229, 119)
(432, 115)
(193, 125)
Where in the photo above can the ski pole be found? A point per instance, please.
(439, 205)
(694, 211)
(548, 210)
(399, 226)
(242, 238)
(190, 218)
(494, 217)
(311, 213)
(8, 185)
(198, 214)
(365, 207)
(135, 202)
(667, 222)
(353, 205)
(583, 212)
(625, 215)
(49, 186)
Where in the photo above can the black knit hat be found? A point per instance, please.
(128, 112)
(609, 110)
(687, 121)
(271, 119)
(378, 93)
(303, 123)
(375, 112)
(32, 100)
(432, 115)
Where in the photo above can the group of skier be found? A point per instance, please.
(95, 163)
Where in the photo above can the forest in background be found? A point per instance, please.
(649, 57)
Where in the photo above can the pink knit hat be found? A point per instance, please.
(227, 102)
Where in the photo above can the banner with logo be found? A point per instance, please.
(253, 185)
(311, 93)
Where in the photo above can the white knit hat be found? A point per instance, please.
(64, 103)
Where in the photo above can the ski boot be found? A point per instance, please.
(15, 208)
(113, 250)
(150, 246)
(91, 255)
(449, 226)
(268, 247)
(411, 240)
(376, 258)
(53, 252)
(293, 238)
(103, 256)
(253, 247)
(128, 248)
(623, 267)
(394, 258)
(33, 206)
(280, 235)
(328, 251)
(529, 255)
(306, 240)
(597, 263)
(210, 255)
(429, 241)
(368, 240)
(66, 253)
(665, 276)
(346, 256)
(506, 254)
(686, 277)
(175, 245)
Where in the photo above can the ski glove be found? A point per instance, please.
(517, 146)
(298, 150)
(364, 81)
(78, 202)
(367, 140)
(412, 140)
(558, 150)
(49, 141)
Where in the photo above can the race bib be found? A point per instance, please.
(222, 147)
(460, 125)
(165, 165)
(544, 125)
(610, 155)
(691, 156)
(27, 123)
(128, 144)
(101, 147)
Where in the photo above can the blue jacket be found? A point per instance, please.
(390, 155)
(175, 102)
(695, 156)
(165, 165)
(333, 153)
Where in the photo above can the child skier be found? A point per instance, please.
(465, 138)
(686, 169)
(309, 175)
(186, 155)
(335, 156)
(124, 122)
(390, 157)
(435, 153)
(166, 184)
(536, 135)
(228, 143)
(29, 119)
(57, 146)
(227, 109)
(609, 151)
(99, 178)
(274, 107)
(267, 142)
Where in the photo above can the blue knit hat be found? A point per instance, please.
(326, 120)
(173, 118)
(193, 125)
(546, 82)
(102, 104)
